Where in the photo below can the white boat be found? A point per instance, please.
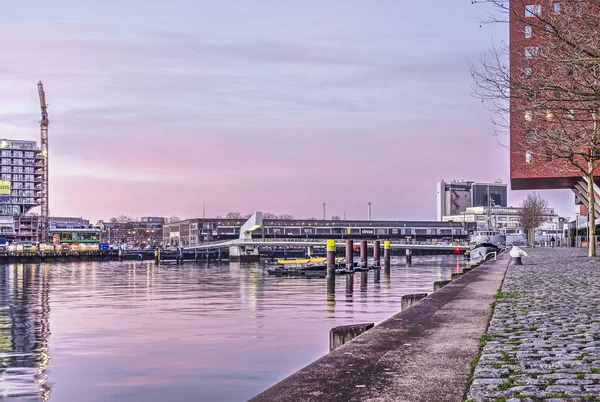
(488, 236)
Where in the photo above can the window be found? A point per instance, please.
(528, 157)
(556, 7)
(528, 31)
(531, 51)
(530, 136)
(528, 116)
(528, 72)
(532, 10)
(548, 155)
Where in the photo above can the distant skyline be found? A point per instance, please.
(272, 106)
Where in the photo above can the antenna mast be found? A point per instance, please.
(42, 162)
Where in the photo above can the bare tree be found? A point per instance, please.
(336, 218)
(554, 85)
(233, 215)
(269, 215)
(172, 219)
(113, 220)
(122, 219)
(533, 209)
(285, 216)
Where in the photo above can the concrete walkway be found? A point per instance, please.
(421, 354)
(543, 342)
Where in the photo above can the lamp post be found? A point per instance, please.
(576, 229)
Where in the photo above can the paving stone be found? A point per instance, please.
(546, 328)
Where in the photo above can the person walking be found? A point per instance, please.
(552, 241)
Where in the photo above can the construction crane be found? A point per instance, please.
(43, 163)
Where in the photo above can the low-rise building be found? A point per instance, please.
(190, 232)
(145, 232)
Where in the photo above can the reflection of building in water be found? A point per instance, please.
(24, 330)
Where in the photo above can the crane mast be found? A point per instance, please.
(42, 163)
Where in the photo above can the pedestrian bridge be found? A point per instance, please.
(246, 248)
(318, 243)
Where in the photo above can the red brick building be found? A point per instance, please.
(532, 170)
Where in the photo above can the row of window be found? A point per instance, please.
(19, 201)
(529, 156)
(535, 10)
(17, 162)
(17, 169)
(21, 185)
(23, 193)
(550, 115)
(16, 154)
(17, 177)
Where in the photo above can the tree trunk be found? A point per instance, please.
(592, 212)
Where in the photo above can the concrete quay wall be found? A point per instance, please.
(423, 353)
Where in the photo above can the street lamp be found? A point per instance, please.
(576, 229)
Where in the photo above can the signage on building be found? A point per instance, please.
(4, 190)
(56, 238)
(367, 231)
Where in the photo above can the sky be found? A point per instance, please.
(253, 105)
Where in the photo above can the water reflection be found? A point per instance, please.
(24, 331)
(140, 332)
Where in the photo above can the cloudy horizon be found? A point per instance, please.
(270, 106)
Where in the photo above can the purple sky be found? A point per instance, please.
(270, 105)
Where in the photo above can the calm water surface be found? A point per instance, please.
(139, 332)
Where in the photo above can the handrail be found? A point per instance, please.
(490, 253)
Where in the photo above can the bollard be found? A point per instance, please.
(437, 285)
(514, 261)
(376, 253)
(338, 336)
(408, 256)
(330, 258)
(387, 255)
(156, 255)
(349, 254)
(120, 258)
(409, 300)
(363, 253)
(455, 276)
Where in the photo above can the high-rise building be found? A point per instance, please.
(20, 178)
(453, 198)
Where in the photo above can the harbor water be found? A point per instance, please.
(140, 332)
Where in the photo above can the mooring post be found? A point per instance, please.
(387, 255)
(331, 266)
(376, 253)
(377, 275)
(363, 253)
(120, 258)
(408, 256)
(349, 254)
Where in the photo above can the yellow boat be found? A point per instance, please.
(305, 260)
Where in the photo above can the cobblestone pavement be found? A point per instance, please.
(543, 342)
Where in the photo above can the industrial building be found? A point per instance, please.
(191, 232)
(453, 198)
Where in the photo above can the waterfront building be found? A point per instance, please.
(191, 232)
(506, 220)
(455, 197)
(20, 178)
(72, 230)
(145, 232)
